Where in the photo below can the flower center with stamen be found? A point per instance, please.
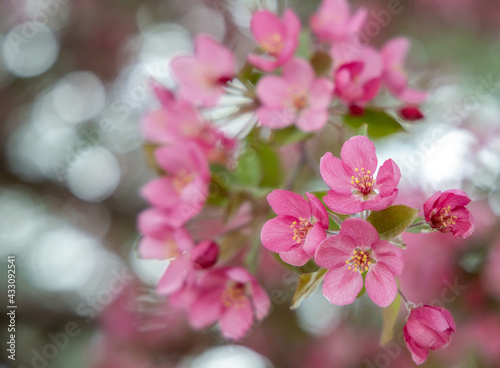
(171, 250)
(360, 260)
(182, 179)
(363, 181)
(234, 295)
(443, 218)
(301, 229)
(273, 44)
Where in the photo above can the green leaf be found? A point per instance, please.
(272, 172)
(389, 317)
(308, 283)
(380, 124)
(321, 63)
(248, 173)
(304, 48)
(363, 130)
(419, 229)
(283, 137)
(392, 221)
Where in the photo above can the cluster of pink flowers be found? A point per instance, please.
(186, 143)
(356, 254)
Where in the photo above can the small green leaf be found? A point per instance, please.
(380, 124)
(321, 63)
(363, 130)
(283, 137)
(424, 227)
(392, 221)
(308, 283)
(272, 172)
(304, 48)
(389, 317)
(248, 173)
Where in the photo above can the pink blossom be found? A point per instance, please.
(295, 97)
(357, 74)
(204, 75)
(299, 228)
(278, 38)
(357, 250)
(179, 121)
(182, 273)
(394, 76)
(160, 240)
(354, 186)
(427, 328)
(180, 194)
(231, 296)
(446, 212)
(333, 21)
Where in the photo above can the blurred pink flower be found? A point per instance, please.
(446, 212)
(357, 74)
(427, 328)
(180, 194)
(299, 228)
(202, 77)
(186, 266)
(394, 76)
(333, 22)
(358, 249)
(278, 38)
(231, 296)
(354, 188)
(160, 240)
(297, 96)
(491, 274)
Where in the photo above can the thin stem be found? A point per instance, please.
(409, 305)
(335, 218)
(417, 224)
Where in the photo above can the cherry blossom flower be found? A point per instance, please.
(299, 228)
(446, 212)
(160, 240)
(357, 74)
(180, 194)
(231, 296)
(354, 186)
(278, 38)
(427, 328)
(203, 76)
(394, 76)
(295, 97)
(333, 22)
(358, 250)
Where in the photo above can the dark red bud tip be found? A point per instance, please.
(356, 110)
(205, 254)
(223, 80)
(411, 114)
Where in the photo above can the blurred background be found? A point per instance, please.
(73, 86)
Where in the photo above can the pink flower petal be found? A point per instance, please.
(174, 276)
(358, 152)
(295, 257)
(412, 96)
(286, 203)
(314, 237)
(418, 354)
(388, 178)
(161, 193)
(206, 309)
(395, 50)
(429, 205)
(272, 91)
(210, 52)
(320, 93)
(275, 117)
(334, 175)
(464, 223)
(334, 251)
(298, 73)
(360, 230)
(277, 234)
(260, 299)
(236, 320)
(343, 204)
(381, 285)
(318, 210)
(312, 120)
(389, 255)
(342, 286)
(379, 203)
(264, 24)
(263, 63)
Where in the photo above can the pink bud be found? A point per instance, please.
(427, 328)
(411, 113)
(205, 254)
